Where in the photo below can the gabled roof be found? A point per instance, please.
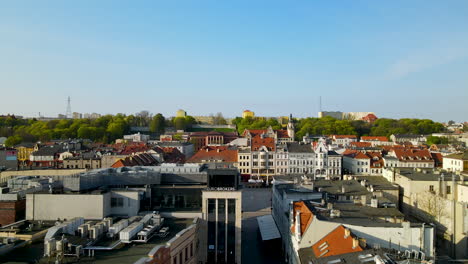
(296, 147)
(459, 156)
(214, 153)
(48, 150)
(142, 159)
(306, 216)
(258, 142)
(374, 138)
(413, 155)
(337, 242)
(360, 144)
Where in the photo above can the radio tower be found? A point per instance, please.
(69, 112)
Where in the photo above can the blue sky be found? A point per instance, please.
(396, 58)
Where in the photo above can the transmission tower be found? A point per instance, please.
(69, 112)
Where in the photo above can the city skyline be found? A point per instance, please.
(394, 59)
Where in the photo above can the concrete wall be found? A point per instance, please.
(131, 203)
(4, 176)
(53, 206)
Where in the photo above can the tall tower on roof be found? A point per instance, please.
(290, 128)
(68, 114)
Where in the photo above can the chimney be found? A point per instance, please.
(218, 150)
(355, 243)
(347, 233)
(363, 243)
(330, 206)
(207, 150)
(364, 200)
(343, 190)
(374, 203)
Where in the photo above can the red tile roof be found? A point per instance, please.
(438, 159)
(422, 155)
(337, 242)
(360, 144)
(370, 118)
(370, 138)
(258, 142)
(214, 153)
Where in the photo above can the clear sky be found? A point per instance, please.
(395, 58)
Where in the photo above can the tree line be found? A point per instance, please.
(331, 126)
(108, 128)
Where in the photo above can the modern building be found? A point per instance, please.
(220, 236)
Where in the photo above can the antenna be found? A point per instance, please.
(320, 103)
(69, 113)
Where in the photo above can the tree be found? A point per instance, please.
(433, 205)
(158, 124)
(179, 123)
(219, 119)
(13, 140)
(437, 140)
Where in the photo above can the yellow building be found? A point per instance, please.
(181, 113)
(23, 153)
(248, 113)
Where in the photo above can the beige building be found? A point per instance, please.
(81, 163)
(442, 199)
(456, 162)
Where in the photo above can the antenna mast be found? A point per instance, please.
(69, 112)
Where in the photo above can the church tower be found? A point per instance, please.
(291, 127)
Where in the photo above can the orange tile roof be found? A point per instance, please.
(223, 153)
(306, 216)
(337, 242)
(371, 138)
(413, 154)
(258, 142)
(361, 144)
(282, 133)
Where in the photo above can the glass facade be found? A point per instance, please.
(221, 249)
(231, 231)
(211, 230)
(176, 199)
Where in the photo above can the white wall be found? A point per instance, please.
(53, 206)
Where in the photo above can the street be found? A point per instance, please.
(256, 202)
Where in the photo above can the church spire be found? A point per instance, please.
(290, 127)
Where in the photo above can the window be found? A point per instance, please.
(117, 202)
(431, 188)
(449, 190)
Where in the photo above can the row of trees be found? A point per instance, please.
(103, 129)
(108, 128)
(331, 126)
(255, 123)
